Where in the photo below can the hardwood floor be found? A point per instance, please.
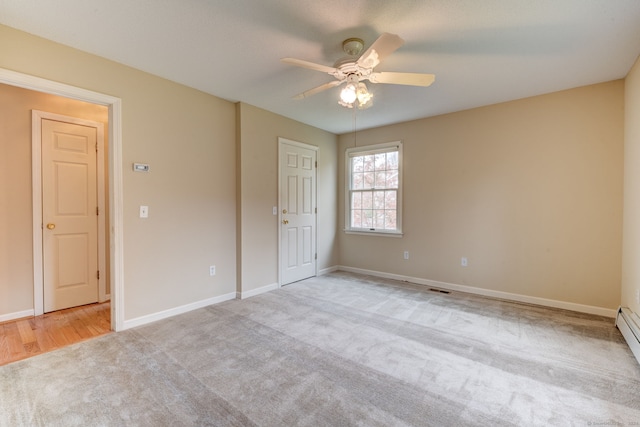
(31, 336)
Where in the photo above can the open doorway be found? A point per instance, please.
(67, 100)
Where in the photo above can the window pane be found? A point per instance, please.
(378, 219)
(367, 202)
(369, 163)
(357, 181)
(356, 200)
(368, 179)
(390, 199)
(392, 179)
(367, 218)
(378, 199)
(381, 179)
(392, 160)
(357, 164)
(390, 222)
(381, 161)
(356, 218)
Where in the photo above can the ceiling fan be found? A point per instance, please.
(353, 71)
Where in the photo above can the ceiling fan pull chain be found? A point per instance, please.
(355, 140)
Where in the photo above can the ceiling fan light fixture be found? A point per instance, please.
(348, 95)
(356, 94)
(364, 96)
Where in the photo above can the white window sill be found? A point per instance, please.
(374, 233)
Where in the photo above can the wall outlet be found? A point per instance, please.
(212, 270)
(406, 254)
(464, 261)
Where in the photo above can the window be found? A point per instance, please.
(374, 189)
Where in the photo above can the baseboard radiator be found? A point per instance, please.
(629, 324)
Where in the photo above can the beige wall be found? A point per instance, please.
(529, 191)
(16, 235)
(258, 193)
(188, 138)
(631, 240)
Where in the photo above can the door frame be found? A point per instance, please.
(36, 190)
(116, 214)
(284, 141)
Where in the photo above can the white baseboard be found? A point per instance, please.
(599, 311)
(143, 320)
(328, 270)
(258, 291)
(274, 286)
(17, 315)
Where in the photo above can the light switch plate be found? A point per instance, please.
(144, 211)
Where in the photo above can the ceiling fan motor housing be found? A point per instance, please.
(346, 67)
(353, 46)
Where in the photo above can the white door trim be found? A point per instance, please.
(115, 173)
(281, 142)
(36, 190)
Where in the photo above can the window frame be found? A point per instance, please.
(363, 151)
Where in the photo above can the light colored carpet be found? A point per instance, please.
(338, 350)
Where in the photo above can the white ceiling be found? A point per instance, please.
(481, 51)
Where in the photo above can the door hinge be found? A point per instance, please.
(98, 275)
(316, 255)
(316, 210)
(97, 210)
(316, 164)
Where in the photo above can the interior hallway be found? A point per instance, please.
(27, 337)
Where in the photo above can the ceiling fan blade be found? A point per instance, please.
(309, 65)
(318, 89)
(384, 46)
(411, 79)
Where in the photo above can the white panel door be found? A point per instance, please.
(298, 212)
(69, 213)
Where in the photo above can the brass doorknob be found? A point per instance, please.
(284, 211)
(285, 221)
(51, 226)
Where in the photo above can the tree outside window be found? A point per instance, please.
(374, 188)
